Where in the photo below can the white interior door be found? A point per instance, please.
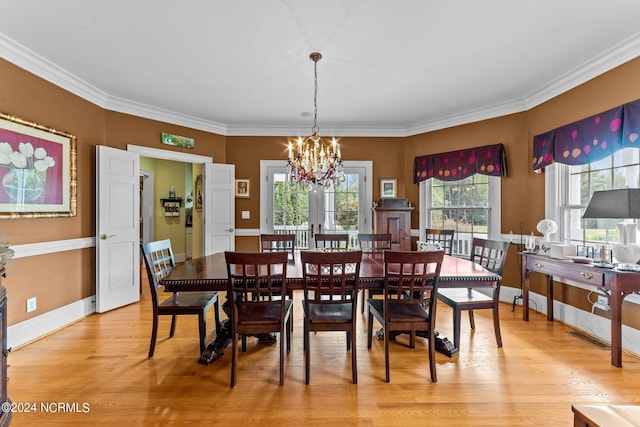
(219, 208)
(117, 228)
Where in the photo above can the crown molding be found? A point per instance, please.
(470, 116)
(335, 131)
(30, 61)
(623, 52)
(122, 105)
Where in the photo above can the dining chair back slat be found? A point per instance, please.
(332, 241)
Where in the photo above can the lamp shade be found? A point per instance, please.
(622, 203)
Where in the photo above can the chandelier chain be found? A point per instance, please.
(315, 128)
(314, 162)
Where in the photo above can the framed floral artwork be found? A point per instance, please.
(37, 170)
(388, 188)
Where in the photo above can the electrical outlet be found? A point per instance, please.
(602, 303)
(32, 304)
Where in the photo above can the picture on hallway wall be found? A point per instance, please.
(198, 193)
(37, 170)
(242, 188)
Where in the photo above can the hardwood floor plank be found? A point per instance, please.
(102, 361)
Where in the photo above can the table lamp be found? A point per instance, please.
(625, 204)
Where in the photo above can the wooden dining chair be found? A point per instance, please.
(257, 281)
(159, 261)
(492, 255)
(409, 301)
(278, 242)
(442, 236)
(332, 241)
(330, 298)
(373, 245)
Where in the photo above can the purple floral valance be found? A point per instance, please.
(589, 140)
(455, 165)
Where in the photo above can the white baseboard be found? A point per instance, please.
(597, 326)
(39, 326)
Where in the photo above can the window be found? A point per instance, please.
(289, 209)
(470, 206)
(569, 189)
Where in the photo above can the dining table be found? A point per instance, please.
(209, 273)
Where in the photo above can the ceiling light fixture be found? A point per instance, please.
(312, 161)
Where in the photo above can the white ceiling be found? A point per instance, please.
(242, 67)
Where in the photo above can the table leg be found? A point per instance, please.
(223, 338)
(549, 298)
(443, 345)
(616, 328)
(525, 290)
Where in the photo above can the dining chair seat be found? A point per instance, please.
(260, 314)
(188, 300)
(401, 312)
(336, 313)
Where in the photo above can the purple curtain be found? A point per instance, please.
(589, 140)
(455, 165)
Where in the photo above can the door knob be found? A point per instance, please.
(231, 230)
(105, 237)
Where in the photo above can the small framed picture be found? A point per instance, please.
(198, 193)
(243, 188)
(388, 188)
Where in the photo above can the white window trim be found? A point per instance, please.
(495, 207)
(555, 180)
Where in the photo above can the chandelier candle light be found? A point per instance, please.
(312, 161)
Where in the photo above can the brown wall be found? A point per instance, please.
(61, 278)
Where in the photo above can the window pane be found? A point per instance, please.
(617, 171)
(462, 206)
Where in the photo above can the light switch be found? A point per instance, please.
(246, 215)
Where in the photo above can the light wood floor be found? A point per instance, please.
(102, 361)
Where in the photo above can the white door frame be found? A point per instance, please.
(147, 205)
(157, 153)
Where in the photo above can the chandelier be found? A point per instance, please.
(313, 162)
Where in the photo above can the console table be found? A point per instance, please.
(616, 284)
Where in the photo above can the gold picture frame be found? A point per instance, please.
(37, 170)
(388, 188)
(243, 188)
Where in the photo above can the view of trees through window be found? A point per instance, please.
(620, 170)
(290, 205)
(461, 205)
(334, 209)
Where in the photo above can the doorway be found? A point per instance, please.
(340, 209)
